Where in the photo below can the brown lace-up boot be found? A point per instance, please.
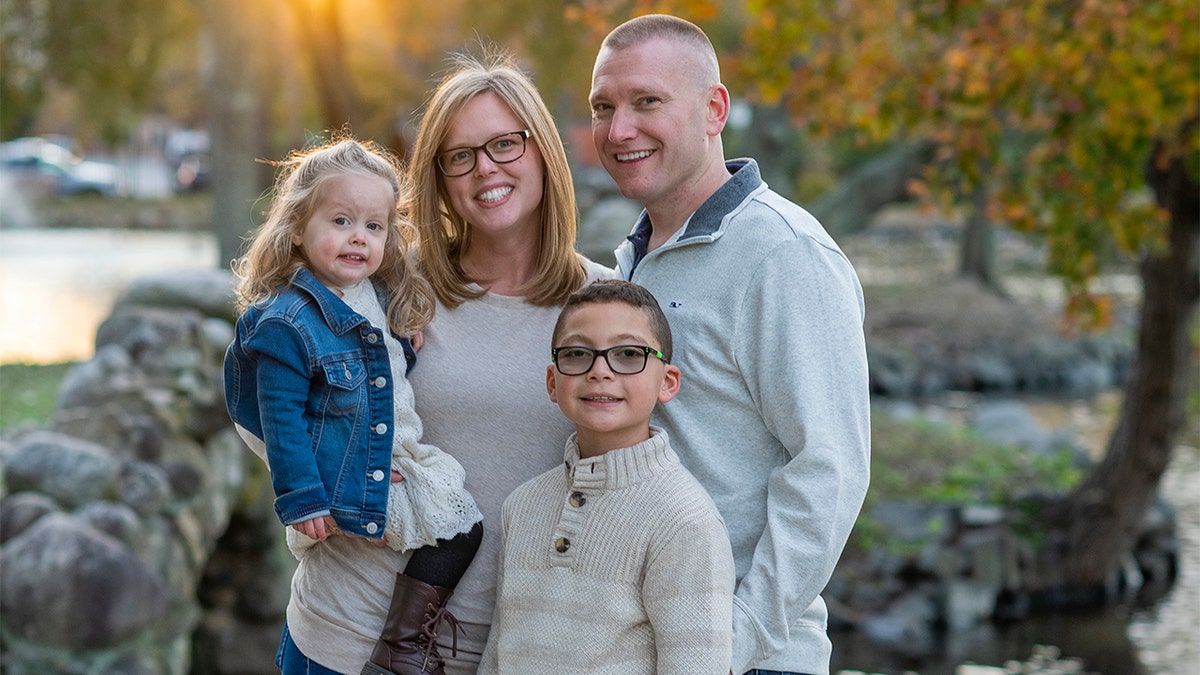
(408, 644)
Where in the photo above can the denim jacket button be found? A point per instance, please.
(372, 528)
(372, 338)
(381, 428)
(377, 475)
(380, 382)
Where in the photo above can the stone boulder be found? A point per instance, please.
(113, 515)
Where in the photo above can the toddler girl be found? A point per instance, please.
(315, 381)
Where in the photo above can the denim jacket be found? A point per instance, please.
(312, 379)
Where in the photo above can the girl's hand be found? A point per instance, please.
(331, 527)
(325, 526)
(313, 528)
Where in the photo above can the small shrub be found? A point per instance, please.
(923, 461)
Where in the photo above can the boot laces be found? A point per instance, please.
(435, 616)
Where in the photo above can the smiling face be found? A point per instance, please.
(344, 238)
(610, 410)
(656, 123)
(494, 199)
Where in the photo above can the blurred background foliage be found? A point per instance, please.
(1041, 115)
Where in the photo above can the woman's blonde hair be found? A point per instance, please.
(272, 259)
(444, 236)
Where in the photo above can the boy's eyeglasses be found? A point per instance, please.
(502, 149)
(622, 359)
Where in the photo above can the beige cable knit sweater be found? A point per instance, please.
(613, 564)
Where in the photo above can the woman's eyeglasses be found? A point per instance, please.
(502, 149)
(622, 359)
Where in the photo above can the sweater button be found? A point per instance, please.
(381, 428)
(380, 382)
(577, 499)
(562, 544)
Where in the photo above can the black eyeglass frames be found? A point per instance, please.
(621, 359)
(502, 149)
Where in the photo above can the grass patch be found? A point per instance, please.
(922, 461)
(177, 213)
(28, 393)
(939, 463)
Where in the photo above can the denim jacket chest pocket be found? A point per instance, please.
(345, 376)
(344, 371)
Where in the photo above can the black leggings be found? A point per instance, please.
(444, 563)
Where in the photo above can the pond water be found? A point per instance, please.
(56, 286)
(1162, 639)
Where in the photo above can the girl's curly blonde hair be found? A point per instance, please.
(272, 259)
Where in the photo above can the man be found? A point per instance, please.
(767, 312)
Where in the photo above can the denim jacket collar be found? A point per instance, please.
(338, 315)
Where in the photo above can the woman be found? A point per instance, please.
(494, 206)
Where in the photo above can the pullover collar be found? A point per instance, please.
(706, 221)
(622, 467)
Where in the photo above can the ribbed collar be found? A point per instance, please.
(622, 467)
(706, 220)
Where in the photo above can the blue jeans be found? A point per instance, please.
(292, 661)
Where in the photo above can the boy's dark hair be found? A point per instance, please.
(627, 292)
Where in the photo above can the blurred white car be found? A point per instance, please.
(36, 165)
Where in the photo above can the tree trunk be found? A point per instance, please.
(1100, 519)
(235, 113)
(850, 205)
(977, 253)
(322, 40)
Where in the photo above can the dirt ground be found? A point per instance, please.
(908, 265)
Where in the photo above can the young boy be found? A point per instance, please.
(616, 562)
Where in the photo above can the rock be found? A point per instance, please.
(604, 226)
(185, 479)
(67, 585)
(109, 368)
(69, 470)
(906, 626)
(21, 510)
(964, 604)
(144, 487)
(162, 341)
(111, 516)
(980, 515)
(1009, 422)
(134, 664)
(208, 291)
(991, 371)
(118, 521)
